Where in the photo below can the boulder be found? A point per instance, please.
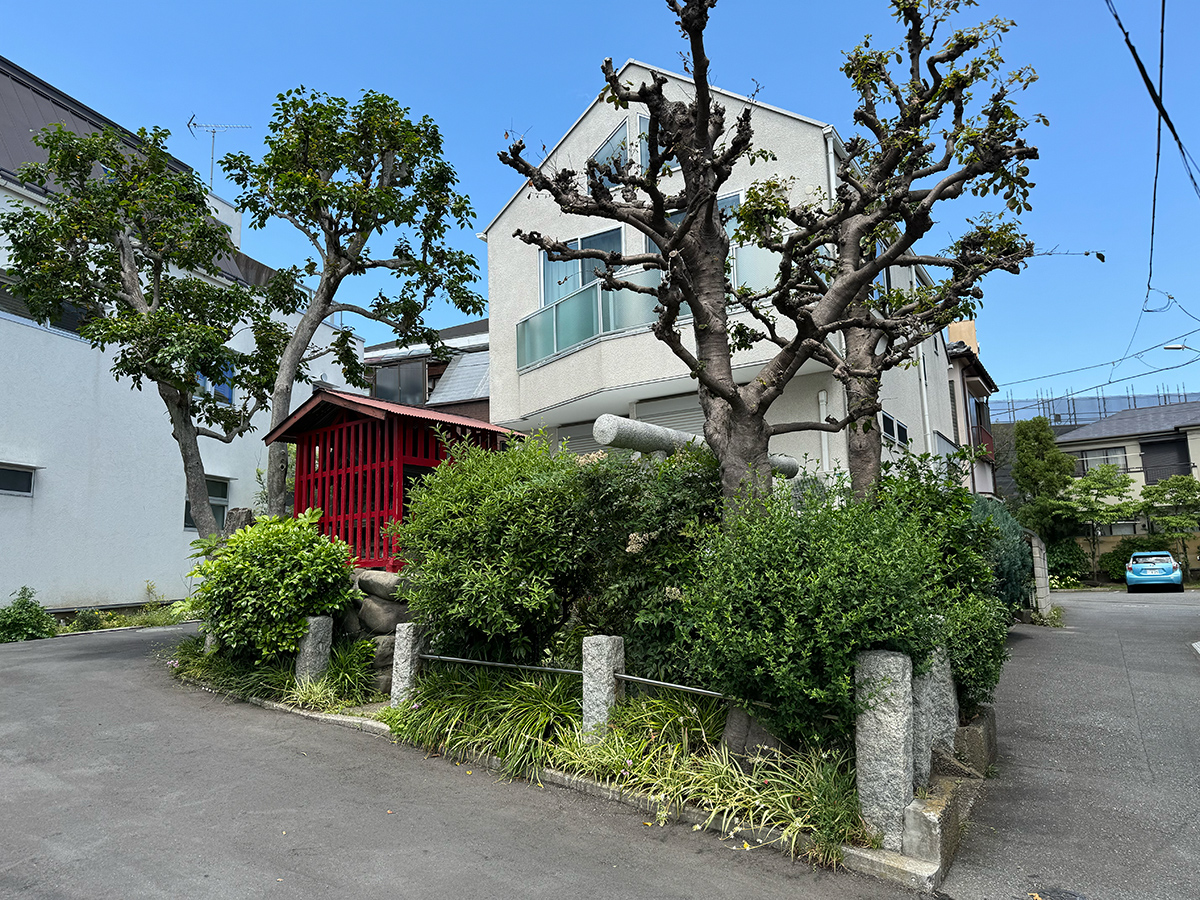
(378, 584)
(381, 616)
(385, 649)
(348, 625)
(236, 519)
(383, 681)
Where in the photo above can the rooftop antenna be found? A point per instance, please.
(194, 126)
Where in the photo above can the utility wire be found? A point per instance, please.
(1101, 365)
(1037, 404)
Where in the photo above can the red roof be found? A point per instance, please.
(325, 403)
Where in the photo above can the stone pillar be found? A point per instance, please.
(603, 656)
(883, 739)
(406, 660)
(313, 658)
(935, 715)
(1041, 573)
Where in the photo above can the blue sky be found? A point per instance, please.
(482, 69)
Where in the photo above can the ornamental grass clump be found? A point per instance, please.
(260, 585)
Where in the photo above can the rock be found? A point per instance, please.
(385, 648)
(348, 625)
(379, 584)
(383, 681)
(744, 734)
(381, 616)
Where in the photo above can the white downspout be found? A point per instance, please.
(823, 411)
(924, 375)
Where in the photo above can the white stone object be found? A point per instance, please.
(406, 660)
(883, 742)
(645, 437)
(603, 657)
(313, 657)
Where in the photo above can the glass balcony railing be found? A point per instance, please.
(577, 318)
(590, 311)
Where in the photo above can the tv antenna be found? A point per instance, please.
(193, 126)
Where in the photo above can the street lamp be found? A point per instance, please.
(1180, 347)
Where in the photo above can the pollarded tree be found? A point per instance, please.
(126, 235)
(940, 121)
(343, 174)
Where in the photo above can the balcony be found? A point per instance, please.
(1155, 474)
(590, 312)
(981, 437)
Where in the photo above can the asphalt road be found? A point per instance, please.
(1098, 786)
(117, 782)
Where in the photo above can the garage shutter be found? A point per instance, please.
(681, 413)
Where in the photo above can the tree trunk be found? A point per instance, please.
(865, 444)
(281, 403)
(740, 442)
(183, 429)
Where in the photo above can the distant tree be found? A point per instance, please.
(127, 236)
(1101, 497)
(1173, 508)
(1042, 473)
(344, 174)
(939, 121)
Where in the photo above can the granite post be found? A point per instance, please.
(313, 658)
(406, 660)
(603, 657)
(935, 715)
(883, 740)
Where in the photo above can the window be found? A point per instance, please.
(562, 278)
(893, 429)
(1105, 456)
(16, 480)
(954, 413)
(404, 383)
(222, 391)
(218, 498)
(613, 152)
(644, 145)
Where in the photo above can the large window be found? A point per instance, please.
(613, 152)
(560, 279)
(1086, 460)
(16, 480)
(218, 498)
(405, 383)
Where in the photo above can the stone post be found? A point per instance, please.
(935, 715)
(313, 658)
(603, 656)
(406, 660)
(883, 740)
(1041, 573)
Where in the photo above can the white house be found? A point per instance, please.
(92, 496)
(563, 351)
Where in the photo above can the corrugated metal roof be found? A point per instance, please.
(1129, 422)
(324, 404)
(465, 378)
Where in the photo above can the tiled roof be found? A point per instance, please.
(1128, 422)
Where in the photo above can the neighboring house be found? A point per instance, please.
(970, 387)
(92, 495)
(457, 385)
(563, 351)
(1149, 444)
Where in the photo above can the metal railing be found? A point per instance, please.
(498, 665)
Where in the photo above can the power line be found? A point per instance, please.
(1114, 362)
(1036, 404)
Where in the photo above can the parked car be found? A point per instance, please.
(1154, 569)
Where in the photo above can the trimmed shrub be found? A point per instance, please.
(262, 583)
(1009, 555)
(24, 619)
(494, 549)
(1113, 562)
(1066, 560)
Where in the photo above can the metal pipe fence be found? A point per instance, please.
(498, 665)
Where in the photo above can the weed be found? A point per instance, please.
(1052, 619)
(24, 619)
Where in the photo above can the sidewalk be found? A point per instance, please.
(1097, 794)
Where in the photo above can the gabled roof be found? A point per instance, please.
(959, 350)
(325, 405)
(716, 91)
(1133, 422)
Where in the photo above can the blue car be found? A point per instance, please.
(1156, 570)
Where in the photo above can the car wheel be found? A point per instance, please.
(1130, 589)
(1179, 588)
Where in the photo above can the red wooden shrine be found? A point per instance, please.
(356, 458)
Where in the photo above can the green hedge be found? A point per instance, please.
(259, 586)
